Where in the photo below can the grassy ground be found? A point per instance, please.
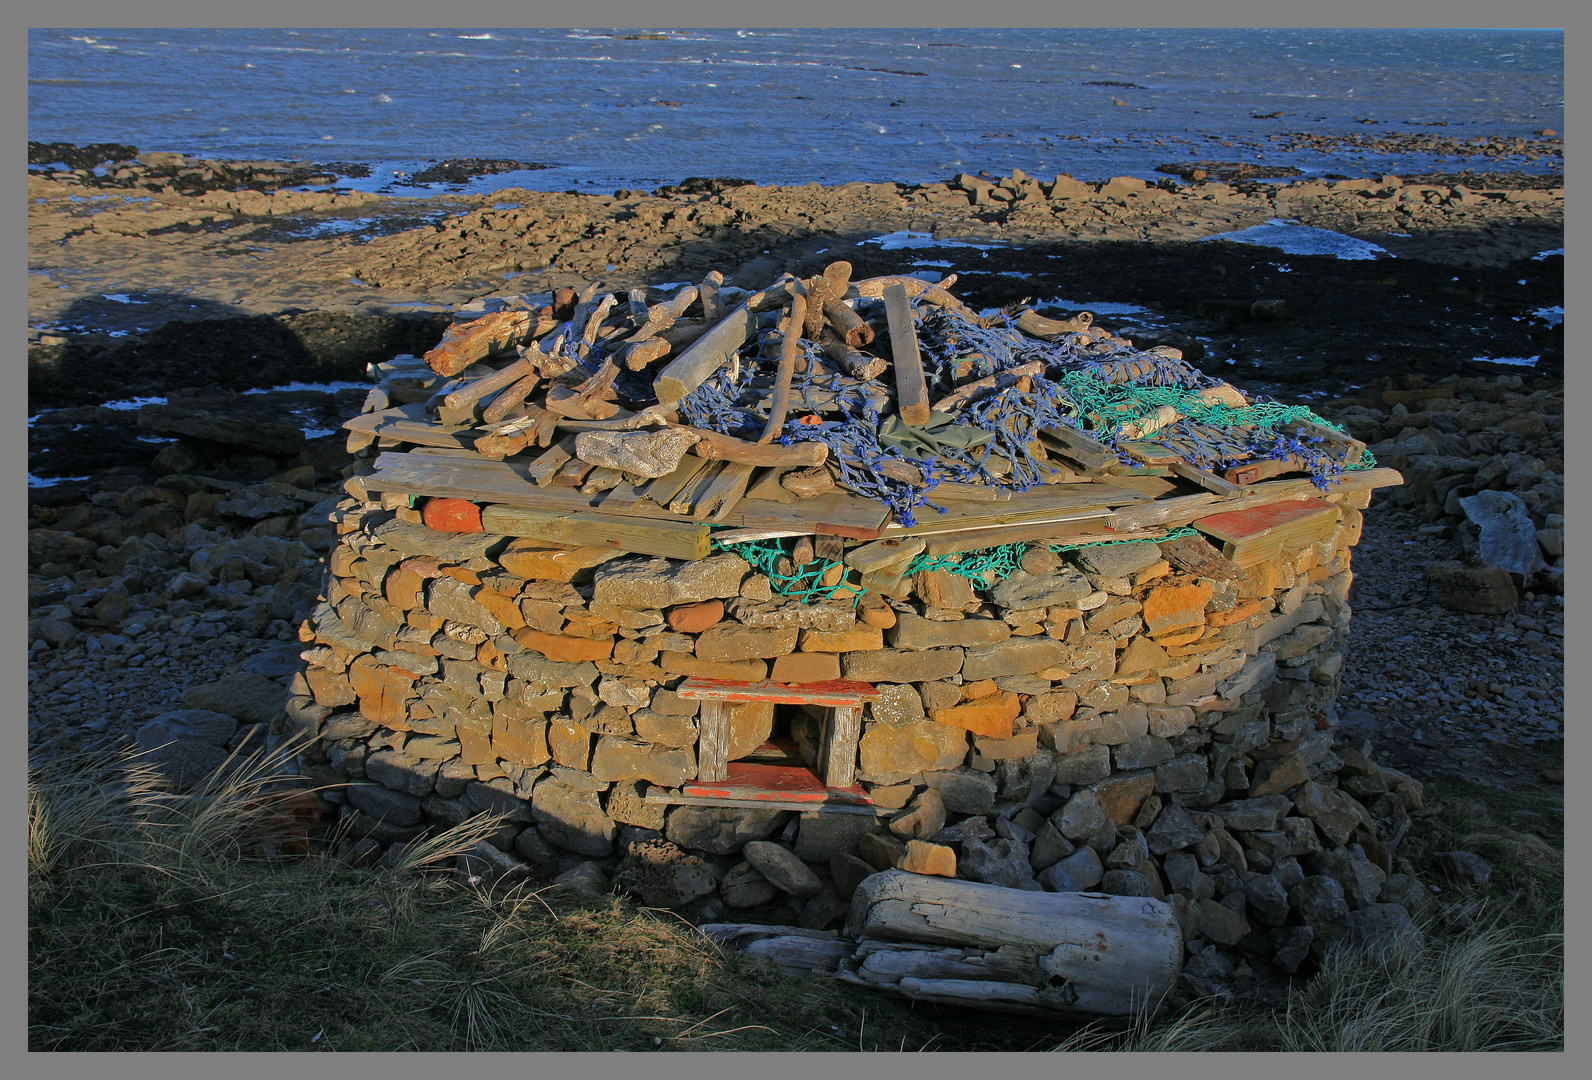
(151, 928)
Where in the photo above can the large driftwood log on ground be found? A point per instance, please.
(1050, 952)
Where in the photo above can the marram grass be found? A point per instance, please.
(152, 928)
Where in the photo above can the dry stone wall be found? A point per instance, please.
(1099, 720)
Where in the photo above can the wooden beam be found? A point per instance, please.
(912, 394)
(713, 740)
(706, 355)
(838, 756)
(826, 694)
(1205, 479)
(672, 540)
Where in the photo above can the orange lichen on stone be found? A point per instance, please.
(1170, 608)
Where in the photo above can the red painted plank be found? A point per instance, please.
(775, 783)
(831, 692)
(1237, 526)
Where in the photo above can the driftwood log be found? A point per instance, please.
(986, 946)
(706, 355)
(465, 343)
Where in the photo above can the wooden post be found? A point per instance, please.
(841, 732)
(713, 742)
(912, 395)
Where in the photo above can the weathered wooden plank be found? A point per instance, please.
(466, 342)
(706, 355)
(912, 393)
(713, 740)
(1088, 452)
(834, 692)
(767, 486)
(544, 468)
(882, 553)
(1185, 509)
(1205, 479)
(715, 446)
(571, 473)
(409, 423)
(1080, 532)
(673, 540)
(689, 495)
(725, 491)
(459, 407)
(1252, 536)
(665, 487)
(838, 759)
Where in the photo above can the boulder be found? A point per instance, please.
(663, 875)
(720, 830)
(782, 868)
(251, 698)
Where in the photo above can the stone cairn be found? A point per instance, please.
(1130, 719)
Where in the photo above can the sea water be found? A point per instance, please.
(609, 109)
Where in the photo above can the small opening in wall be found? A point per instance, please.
(794, 739)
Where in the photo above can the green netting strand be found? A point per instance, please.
(986, 567)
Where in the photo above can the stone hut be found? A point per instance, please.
(1117, 684)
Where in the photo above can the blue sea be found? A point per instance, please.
(609, 109)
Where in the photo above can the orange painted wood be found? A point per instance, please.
(775, 783)
(842, 692)
(1239, 525)
(451, 515)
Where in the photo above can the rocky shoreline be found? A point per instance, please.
(191, 559)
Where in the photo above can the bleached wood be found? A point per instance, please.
(713, 741)
(839, 754)
(912, 393)
(1096, 953)
(706, 355)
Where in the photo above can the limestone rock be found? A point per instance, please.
(896, 704)
(187, 725)
(618, 758)
(636, 582)
(252, 699)
(1116, 560)
(572, 818)
(1481, 590)
(1022, 590)
(744, 887)
(731, 641)
(896, 666)
(782, 868)
(1078, 872)
(1465, 867)
(964, 790)
(925, 858)
(915, 633)
(1002, 861)
(720, 830)
(1018, 656)
(889, 753)
(1381, 929)
(925, 817)
(697, 617)
(663, 875)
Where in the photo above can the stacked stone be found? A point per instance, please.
(1103, 720)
